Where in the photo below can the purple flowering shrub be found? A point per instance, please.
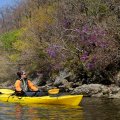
(56, 56)
(80, 40)
(90, 47)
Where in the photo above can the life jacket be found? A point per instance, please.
(25, 85)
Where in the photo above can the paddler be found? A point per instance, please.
(24, 87)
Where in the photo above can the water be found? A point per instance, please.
(101, 109)
(90, 109)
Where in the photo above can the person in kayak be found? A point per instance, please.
(24, 87)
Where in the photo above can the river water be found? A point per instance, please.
(89, 109)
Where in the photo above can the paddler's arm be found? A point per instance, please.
(32, 86)
(18, 86)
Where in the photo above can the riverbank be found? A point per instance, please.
(88, 90)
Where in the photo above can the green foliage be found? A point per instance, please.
(43, 17)
(14, 57)
(21, 45)
(96, 7)
(10, 37)
(103, 8)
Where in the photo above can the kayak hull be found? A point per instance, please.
(73, 100)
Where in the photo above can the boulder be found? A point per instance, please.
(117, 95)
(61, 78)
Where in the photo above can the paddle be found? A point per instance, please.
(53, 91)
(9, 91)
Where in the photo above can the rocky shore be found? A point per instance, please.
(88, 90)
(76, 87)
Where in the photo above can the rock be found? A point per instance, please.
(117, 95)
(88, 89)
(117, 78)
(61, 78)
(105, 90)
(113, 89)
(77, 84)
(36, 81)
(62, 88)
(71, 89)
(58, 81)
(95, 88)
(63, 82)
(82, 90)
(98, 95)
(65, 73)
(98, 90)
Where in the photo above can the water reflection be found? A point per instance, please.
(39, 112)
(48, 112)
(92, 109)
(24, 112)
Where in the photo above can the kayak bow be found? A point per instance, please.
(6, 91)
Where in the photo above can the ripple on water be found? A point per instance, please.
(37, 112)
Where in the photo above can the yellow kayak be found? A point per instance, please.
(73, 100)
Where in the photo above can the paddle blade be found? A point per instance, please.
(6, 91)
(53, 91)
